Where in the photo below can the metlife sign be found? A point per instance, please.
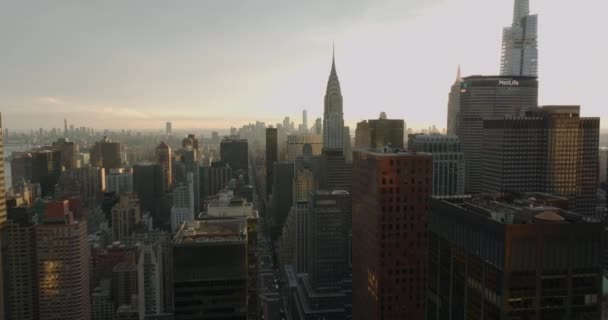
(508, 83)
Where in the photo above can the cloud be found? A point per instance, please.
(51, 100)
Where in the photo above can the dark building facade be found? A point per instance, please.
(235, 152)
(484, 97)
(106, 154)
(282, 196)
(386, 132)
(20, 288)
(46, 169)
(336, 172)
(514, 257)
(390, 208)
(550, 149)
(149, 184)
(362, 137)
(272, 154)
(210, 271)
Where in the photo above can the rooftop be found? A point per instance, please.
(206, 231)
(529, 208)
(392, 152)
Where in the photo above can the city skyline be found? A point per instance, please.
(191, 71)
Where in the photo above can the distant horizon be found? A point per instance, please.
(216, 65)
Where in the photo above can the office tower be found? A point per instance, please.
(333, 121)
(164, 157)
(287, 241)
(230, 206)
(362, 135)
(549, 149)
(235, 153)
(485, 97)
(603, 156)
(329, 216)
(149, 184)
(68, 150)
(21, 167)
(307, 171)
(46, 169)
(90, 182)
(19, 262)
(318, 127)
(520, 43)
(390, 212)
(192, 142)
(282, 196)
(106, 154)
(348, 146)
(521, 259)
(63, 259)
(119, 181)
(169, 129)
(102, 307)
(386, 132)
(187, 161)
(454, 105)
(200, 283)
(126, 215)
(65, 127)
(124, 284)
(380, 133)
(448, 163)
(305, 120)
(154, 272)
(272, 154)
(336, 172)
(183, 203)
(296, 142)
(214, 178)
(573, 144)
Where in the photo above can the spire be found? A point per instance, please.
(333, 60)
(458, 74)
(521, 9)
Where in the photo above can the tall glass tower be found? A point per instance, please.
(520, 43)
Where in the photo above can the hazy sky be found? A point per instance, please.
(212, 64)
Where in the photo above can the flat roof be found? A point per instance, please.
(212, 230)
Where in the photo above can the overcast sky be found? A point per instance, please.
(213, 64)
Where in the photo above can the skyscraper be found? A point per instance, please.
(485, 97)
(63, 258)
(164, 157)
(333, 116)
(390, 211)
(20, 288)
(306, 174)
(106, 154)
(296, 142)
(512, 257)
(454, 104)
(550, 149)
(305, 120)
(68, 150)
(2, 191)
(362, 135)
(211, 288)
(235, 152)
(385, 132)
(448, 163)
(126, 215)
(46, 169)
(520, 43)
(149, 184)
(272, 154)
(169, 128)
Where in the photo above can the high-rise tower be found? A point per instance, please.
(333, 116)
(454, 104)
(520, 43)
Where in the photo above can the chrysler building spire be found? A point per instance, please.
(333, 118)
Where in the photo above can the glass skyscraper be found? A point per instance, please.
(520, 43)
